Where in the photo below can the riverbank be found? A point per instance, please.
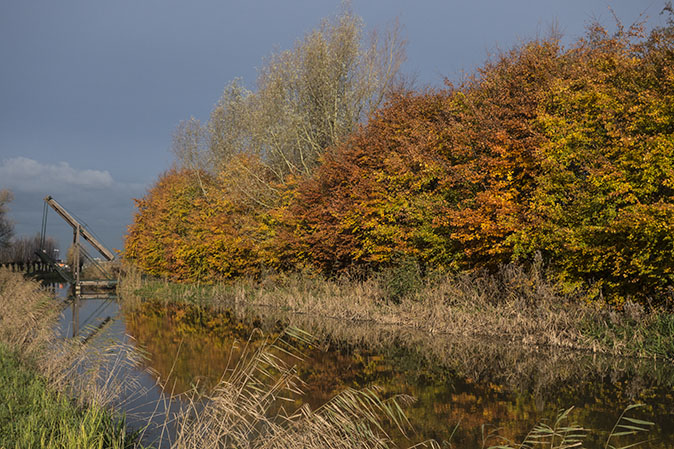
(247, 404)
(33, 414)
(516, 306)
(50, 396)
(75, 383)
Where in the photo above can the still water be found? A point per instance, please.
(466, 391)
(101, 321)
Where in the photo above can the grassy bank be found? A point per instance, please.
(52, 392)
(516, 305)
(34, 415)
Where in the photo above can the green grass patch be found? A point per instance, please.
(650, 336)
(32, 415)
(168, 291)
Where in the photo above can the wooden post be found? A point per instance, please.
(76, 277)
(76, 315)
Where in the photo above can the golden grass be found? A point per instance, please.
(249, 408)
(27, 313)
(75, 384)
(86, 371)
(517, 304)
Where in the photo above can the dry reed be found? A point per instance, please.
(252, 407)
(517, 305)
(86, 371)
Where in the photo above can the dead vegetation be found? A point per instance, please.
(87, 372)
(516, 304)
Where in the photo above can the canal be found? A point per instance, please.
(471, 393)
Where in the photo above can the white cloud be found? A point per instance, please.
(28, 175)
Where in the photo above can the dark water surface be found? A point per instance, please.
(466, 390)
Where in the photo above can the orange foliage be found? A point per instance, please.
(568, 152)
(377, 196)
(181, 233)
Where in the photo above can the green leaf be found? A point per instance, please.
(639, 421)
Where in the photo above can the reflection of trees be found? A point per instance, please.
(186, 346)
(455, 381)
(516, 367)
(507, 383)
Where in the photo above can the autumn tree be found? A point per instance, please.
(306, 99)
(605, 205)
(499, 148)
(443, 176)
(561, 151)
(566, 152)
(377, 196)
(257, 143)
(163, 225)
(180, 233)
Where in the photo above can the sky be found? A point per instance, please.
(91, 91)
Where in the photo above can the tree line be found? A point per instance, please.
(335, 165)
(21, 249)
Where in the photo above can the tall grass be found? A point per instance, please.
(33, 415)
(517, 304)
(63, 388)
(252, 407)
(565, 434)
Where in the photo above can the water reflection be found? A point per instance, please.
(86, 316)
(57, 287)
(469, 383)
(142, 401)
